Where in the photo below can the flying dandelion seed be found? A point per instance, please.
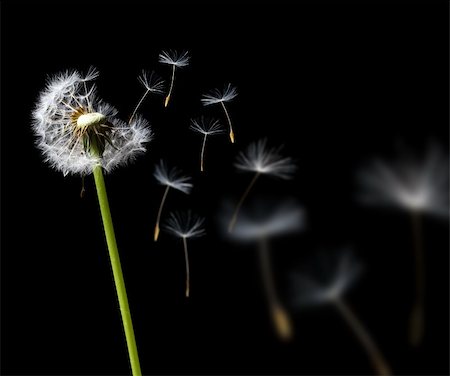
(185, 225)
(176, 60)
(152, 83)
(171, 178)
(206, 127)
(418, 186)
(259, 224)
(80, 134)
(261, 160)
(216, 96)
(336, 273)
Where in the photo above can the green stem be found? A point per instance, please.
(117, 271)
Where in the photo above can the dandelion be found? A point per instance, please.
(206, 127)
(185, 225)
(171, 178)
(335, 275)
(261, 160)
(80, 134)
(418, 186)
(176, 60)
(216, 96)
(152, 83)
(264, 221)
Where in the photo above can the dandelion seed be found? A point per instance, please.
(206, 127)
(262, 222)
(261, 160)
(171, 178)
(79, 134)
(152, 84)
(176, 60)
(76, 131)
(337, 274)
(185, 225)
(216, 96)
(419, 186)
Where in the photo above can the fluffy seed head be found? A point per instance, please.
(171, 57)
(172, 177)
(217, 96)
(152, 82)
(257, 157)
(409, 183)
(77, 131)
(206, 126)
(185, 225)
(331, 276)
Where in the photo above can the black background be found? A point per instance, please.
(336, 84)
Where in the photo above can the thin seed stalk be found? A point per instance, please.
(158, 218)
(138, 105)
(186, 260)
(280, 318)
(241, 201)
(417, 318)
(379, 363)
(117, 271)
(166, 101)
(202, 154)
(229, 122)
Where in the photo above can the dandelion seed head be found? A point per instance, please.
(152, 82)
(409, 183)
(257, 157)
(267, 219)
(185, 224)
(69, 120)
(332, 275)
(217, 96)
(171, 57)
(206, 126)
(172, 177)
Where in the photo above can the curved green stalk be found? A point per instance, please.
(117, 271)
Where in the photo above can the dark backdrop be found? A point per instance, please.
(336, 84)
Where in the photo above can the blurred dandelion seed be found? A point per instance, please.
(419, 186)
(217, 96)
(176, 60)
(336, 273)
(260, 224)
(185, 225)
(152, 84)
(261, 160)
(79, 134)
(171, 178)
(206, 127)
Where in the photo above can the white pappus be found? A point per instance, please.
(76, 131)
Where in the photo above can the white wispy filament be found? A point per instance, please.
(221, 96)
(409, 183)
(70, 121)
(206, 127)
(185, 225)
(176, 60)
(171, 178)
